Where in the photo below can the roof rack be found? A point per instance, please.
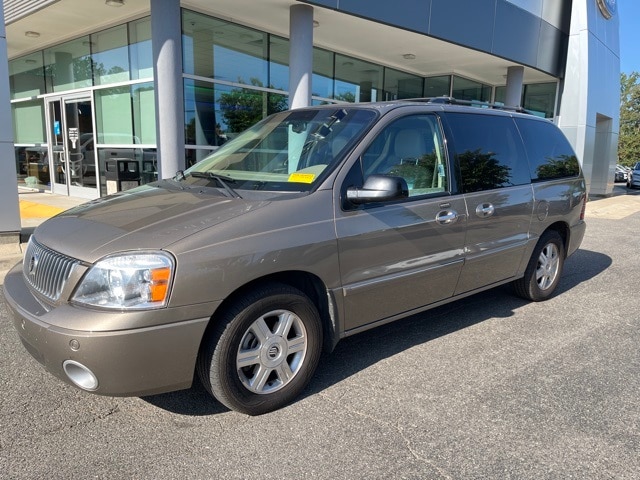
(470, 103)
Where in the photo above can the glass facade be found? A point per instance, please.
(537, 98)
(124, 115)
(233, 76)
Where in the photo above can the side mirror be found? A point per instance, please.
(379, 188)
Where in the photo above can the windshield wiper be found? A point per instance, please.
(223, 180)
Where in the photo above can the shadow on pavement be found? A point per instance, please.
(358, 352)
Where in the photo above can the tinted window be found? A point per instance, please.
(489, 151)
(549, 152)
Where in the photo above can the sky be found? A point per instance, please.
(629, 15)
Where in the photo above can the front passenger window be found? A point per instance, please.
(411, 148)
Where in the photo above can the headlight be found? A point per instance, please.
(127, 281)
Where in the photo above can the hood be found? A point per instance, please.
(148, 217)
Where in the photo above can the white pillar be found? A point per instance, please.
(10, 211)
(515, 77)
(300, 55)
(166, 39)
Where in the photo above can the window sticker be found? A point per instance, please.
(302, 177)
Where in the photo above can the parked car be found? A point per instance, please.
(621, 174)
(633, 177)
(312, 226)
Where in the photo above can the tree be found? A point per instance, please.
(242, 108)
(629, 139)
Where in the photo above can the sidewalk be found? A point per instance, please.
(36, 207)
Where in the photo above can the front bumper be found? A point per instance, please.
(126, 362)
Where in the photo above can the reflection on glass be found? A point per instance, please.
(26, 76)
(398, 85)
(540, 98)
(437, 86)
(68, 65)
(110, 55)
(216, 113)
(278, 63)
(223, 50)
(140, 51)
(465, 89)
(322, 80)
(357, 80)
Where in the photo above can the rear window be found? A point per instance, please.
(548, 150)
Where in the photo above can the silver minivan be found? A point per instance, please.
(313, 225)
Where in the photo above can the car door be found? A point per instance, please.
(496, 182)
(399, 256)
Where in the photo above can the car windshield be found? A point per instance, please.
(286, 152)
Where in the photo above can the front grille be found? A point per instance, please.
(46, 270)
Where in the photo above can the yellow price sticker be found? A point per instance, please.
(302, 177)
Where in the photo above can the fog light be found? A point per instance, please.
(80, 375)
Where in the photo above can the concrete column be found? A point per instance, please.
(10, 211)
(166, 39)
(515, 77)
(300, 55)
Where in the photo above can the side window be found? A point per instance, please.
(489, 151)
(550, 154)
(410, 147)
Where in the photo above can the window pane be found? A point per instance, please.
(279, 63)
(437, 86)
(113, 115)
(144, 113)
(540, 99)
(68, 65)
(501, 95)
(398, 85)
(110, 55)
(222, 50)
(465, 89)
(215, 113)
(26, 76)
(489, 151)
(28, 122)
(140, 49)
(553, 158)
(322, 80)
(411, 148)
(357, 80)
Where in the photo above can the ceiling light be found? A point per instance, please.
(31, 34)
(30, 61)
(409, 56)
(114, 3)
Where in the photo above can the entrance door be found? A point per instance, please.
(72, 146)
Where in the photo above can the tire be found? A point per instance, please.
(263, 350)
(544, 269)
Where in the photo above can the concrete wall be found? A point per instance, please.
(590, 103)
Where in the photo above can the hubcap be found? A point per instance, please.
(548, 266)
(271, 352)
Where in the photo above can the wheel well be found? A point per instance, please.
(563, 230)
(307, 283)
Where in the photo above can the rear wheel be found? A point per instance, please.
(544, 269)
(263, 351)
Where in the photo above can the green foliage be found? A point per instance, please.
(629, 140)
(242, 108)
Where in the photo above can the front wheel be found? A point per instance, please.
(544, 269)
(263, 350)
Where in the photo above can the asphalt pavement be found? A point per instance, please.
(488, 387)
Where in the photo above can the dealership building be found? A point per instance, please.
(99, 96)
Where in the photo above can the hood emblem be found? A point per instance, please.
(33, 264)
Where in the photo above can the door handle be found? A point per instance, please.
(485, 210)
(447, 217)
